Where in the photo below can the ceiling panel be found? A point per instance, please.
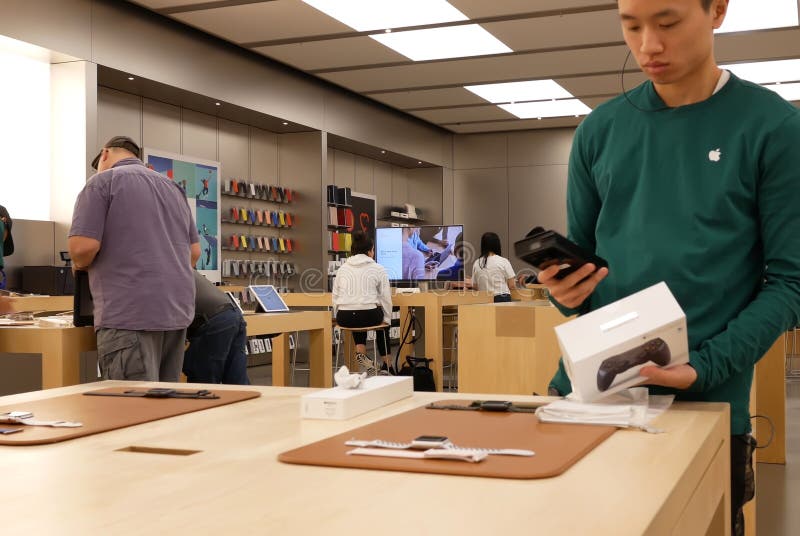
(489, 112)
(484, 8)
(427, 98)
(578, 43)
(327, 54)
(481, 70)
(517, 124)
(247, 23)
(558, 31)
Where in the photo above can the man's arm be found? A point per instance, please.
(82, 251)
(195, 252)
(776, 307)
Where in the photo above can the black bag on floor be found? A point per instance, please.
(418, 368)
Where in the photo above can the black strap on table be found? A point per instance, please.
(202, 394)
(489, 405)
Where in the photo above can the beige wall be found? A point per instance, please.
(122, 36)
(244, 152)
(507, 183)
(392, 185)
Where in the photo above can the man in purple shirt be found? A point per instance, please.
(133, 231)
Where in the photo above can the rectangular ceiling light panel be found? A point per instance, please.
(368, 15)
(441, 43)
(558, 108)
(529, 90)
(744, 15)
(767, 72)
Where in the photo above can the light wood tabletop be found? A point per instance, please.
(634, 483)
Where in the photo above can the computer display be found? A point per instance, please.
(422, 253)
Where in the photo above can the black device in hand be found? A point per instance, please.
(547, 248)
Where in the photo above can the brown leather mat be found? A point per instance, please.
(557, 446)
(104, 413)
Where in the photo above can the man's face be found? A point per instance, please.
(670, 39)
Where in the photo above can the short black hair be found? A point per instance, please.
(362, 243)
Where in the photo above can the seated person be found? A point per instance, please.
(216, 338)
(362, 298)
(491, 272)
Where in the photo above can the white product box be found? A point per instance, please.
(341, 404)
(604, 350)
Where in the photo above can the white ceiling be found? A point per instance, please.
(577, 43)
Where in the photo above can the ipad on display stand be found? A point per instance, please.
(268, 299)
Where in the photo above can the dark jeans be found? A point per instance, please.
(502, 298)
(742, 479)
(363, 319)
(216, 351)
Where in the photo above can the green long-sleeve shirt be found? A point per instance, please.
(707, 198)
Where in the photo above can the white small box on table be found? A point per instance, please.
(604, 350)
(339, 404)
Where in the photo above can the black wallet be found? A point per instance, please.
(547, 248)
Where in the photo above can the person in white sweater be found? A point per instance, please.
(361, 298)
(492, 272)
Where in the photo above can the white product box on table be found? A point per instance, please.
(339, 404)
(604, 350)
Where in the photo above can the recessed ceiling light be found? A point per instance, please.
(447, 42)
(366, 15)
(530, 90)
(745, 15)
(285, 123)
(387, 30)
(767, 72)
(560, 108)
(419, 162)
(218, 104)
(790, 92)
(383, 152)
(130, 78)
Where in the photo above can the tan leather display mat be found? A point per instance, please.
(104, 413)
(557, 446)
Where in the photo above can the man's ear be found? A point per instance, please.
(718, 11)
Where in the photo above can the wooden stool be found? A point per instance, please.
(358, 330)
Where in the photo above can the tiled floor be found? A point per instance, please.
(778, 486)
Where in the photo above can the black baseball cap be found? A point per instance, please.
(123, 142)
(8, 244)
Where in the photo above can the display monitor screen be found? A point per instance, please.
(422, 253)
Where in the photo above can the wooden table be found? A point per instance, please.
(432, 303)
(42, 303)
(318, 325)
(632, 484)
(60, 348)
(507, 347)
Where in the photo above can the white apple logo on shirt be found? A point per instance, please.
(715, 155)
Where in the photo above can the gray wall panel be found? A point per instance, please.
(199, 135)
(264, 158)
(382, 181)
(425, 193)
(537, 148)
(161, 126)
(481, 204)
(477, 151)
(344, 169)
(60, 25)
(364, 183)
(118, 114)
(234, 149)
(399, 186)
(34, 245)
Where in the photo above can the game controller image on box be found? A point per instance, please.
(655, 351)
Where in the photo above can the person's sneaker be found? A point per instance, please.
(387, 370)
(367, 363)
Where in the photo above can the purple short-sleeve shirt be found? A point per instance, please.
(141, 279)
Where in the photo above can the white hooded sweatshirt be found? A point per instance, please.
(361, 284)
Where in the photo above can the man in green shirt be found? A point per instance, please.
(691, 178)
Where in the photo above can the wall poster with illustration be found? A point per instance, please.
(199, 180)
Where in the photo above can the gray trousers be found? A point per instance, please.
(140, 355)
